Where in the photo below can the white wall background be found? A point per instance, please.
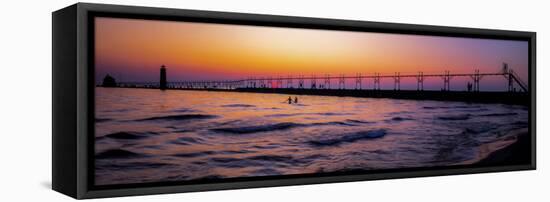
(25, 100)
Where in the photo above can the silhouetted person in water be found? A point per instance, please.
(469, 86)
(289, 100)
(295, 100)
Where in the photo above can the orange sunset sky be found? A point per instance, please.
(133, 50)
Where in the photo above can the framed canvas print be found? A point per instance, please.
(154, 100)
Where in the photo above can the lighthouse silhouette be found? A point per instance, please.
(162, 77)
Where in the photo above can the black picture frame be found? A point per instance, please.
(73, 98)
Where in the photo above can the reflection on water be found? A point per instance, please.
(147, 135)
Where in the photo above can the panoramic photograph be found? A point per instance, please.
(188, 101)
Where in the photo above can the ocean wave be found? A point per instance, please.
(523, 123)
(225, 159)
(333, 123)
(210, 177)
(285, 159)
(206, 153)
(459, 117)
(129, 135)
(333, 114)
(238, 105)
(401, 112)
(262, 160)
(358, 121)
(279, 158)
(183, 110)
(235, 152)
(178, 117)
(466, 106)
(118, 110)
(398, 118)
(176, 178)
(500, 114)
(452, 107)
(100, 120)
(118, 154)
(314, 157)
(266, 146)
(156, 147)
(275, 127)
(181, 131)
(185, 141)
(194, 154)
(256, 129)
(284, 115)
(228, 122)
(479, 127)
(349, 138)
(234, 162)
(477, 130)
(301, 114)
(132, 166)
(266, 172)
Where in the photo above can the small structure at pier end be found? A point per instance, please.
(162, 83)
(109, 81)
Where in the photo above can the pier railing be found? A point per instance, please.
(324, 81)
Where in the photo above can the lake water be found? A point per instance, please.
(148, 135)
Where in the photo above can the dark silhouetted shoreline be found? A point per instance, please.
(517, 153)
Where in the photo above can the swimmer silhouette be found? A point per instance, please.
(289, 100)
(295, 100)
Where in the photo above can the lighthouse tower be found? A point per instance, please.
(162, 77)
